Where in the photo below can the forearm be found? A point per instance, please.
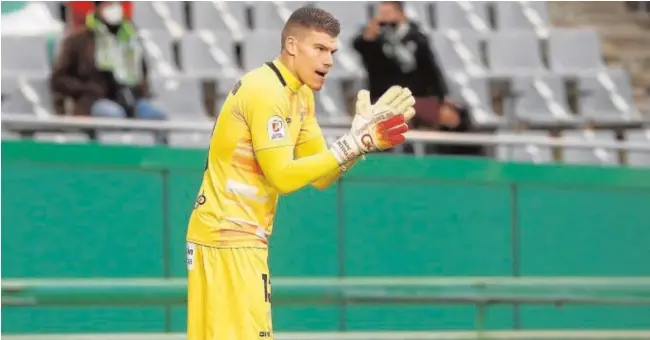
(332, 177)
(315, 146)
(67, 85)
(288, 175)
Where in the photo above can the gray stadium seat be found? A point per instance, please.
(260, 47)
(205, 14)
(419, 12)
(482, 111)
(41, 85)
(266, 16)
(272, 14)
(541, 100)
(54, 7)
(180, 97)
(13, 100)
(158, 44)
(61, 137)
(25, 55)
(146, 15)
(596, 156)
(189, 140)
(528, 153)
(638, 158)
(10, 135)
(330, 101)
(515, 54)
(352, 14)
(448, 57)
(215, 59)
(33, 96)
(450, 15)
(574, 51)
(510, 15)
(608, 102)
(347, 62)
(127, 137)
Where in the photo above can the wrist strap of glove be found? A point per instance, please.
(345, 149)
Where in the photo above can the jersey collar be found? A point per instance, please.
(291, 81)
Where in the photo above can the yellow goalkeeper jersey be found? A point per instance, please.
(267, 108)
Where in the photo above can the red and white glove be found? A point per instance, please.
(374, 127)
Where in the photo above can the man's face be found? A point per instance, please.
(314, 57)
(389, 13)
(110, 12)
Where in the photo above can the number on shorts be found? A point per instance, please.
(266, 282)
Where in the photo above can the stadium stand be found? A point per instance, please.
(539, 60)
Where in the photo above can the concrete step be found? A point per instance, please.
(625, 38)
(588, 7)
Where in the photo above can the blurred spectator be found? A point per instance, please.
(102, 67)
(396, 52)
(78, 10)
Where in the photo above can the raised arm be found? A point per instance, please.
(273, 145)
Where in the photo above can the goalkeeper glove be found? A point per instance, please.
(400, 100)
(374, 128)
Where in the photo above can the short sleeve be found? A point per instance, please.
(309, 129)
(265, 114)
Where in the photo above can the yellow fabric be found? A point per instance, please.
(251, 160)
(315, 146)
(229, 293)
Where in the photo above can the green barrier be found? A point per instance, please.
(75, 211)
(458, 335)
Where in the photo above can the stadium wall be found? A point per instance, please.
(100, 211)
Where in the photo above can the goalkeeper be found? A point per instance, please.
(265, 143)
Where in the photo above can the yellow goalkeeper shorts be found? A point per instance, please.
(229, 293)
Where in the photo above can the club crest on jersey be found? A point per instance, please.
(276, 128)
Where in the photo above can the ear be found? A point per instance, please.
(291, 45)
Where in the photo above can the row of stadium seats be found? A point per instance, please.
(541, 101)
(568, 52)
(540, 154)
(555, 77)
(270, 15)
(606, 98)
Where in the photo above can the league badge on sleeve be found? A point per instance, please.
(276, 128)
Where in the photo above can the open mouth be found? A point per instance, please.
(322, 74)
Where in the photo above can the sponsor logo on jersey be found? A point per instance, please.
(276, 128)
(200, 200)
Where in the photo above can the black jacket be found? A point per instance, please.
(384, 71)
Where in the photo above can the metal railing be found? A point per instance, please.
(459, 335)
(330, 129)
(482, 292)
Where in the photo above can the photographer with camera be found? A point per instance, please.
(394, 50)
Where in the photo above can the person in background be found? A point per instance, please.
(395, 51)
(78, 10)
(102, 67)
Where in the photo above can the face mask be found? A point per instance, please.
(392, 25)
(112, 14)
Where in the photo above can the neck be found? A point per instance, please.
(287, 61)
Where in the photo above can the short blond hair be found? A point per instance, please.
(311, 18)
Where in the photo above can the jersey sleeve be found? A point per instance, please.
(274, 149)
(312, 142)
(264, 112)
